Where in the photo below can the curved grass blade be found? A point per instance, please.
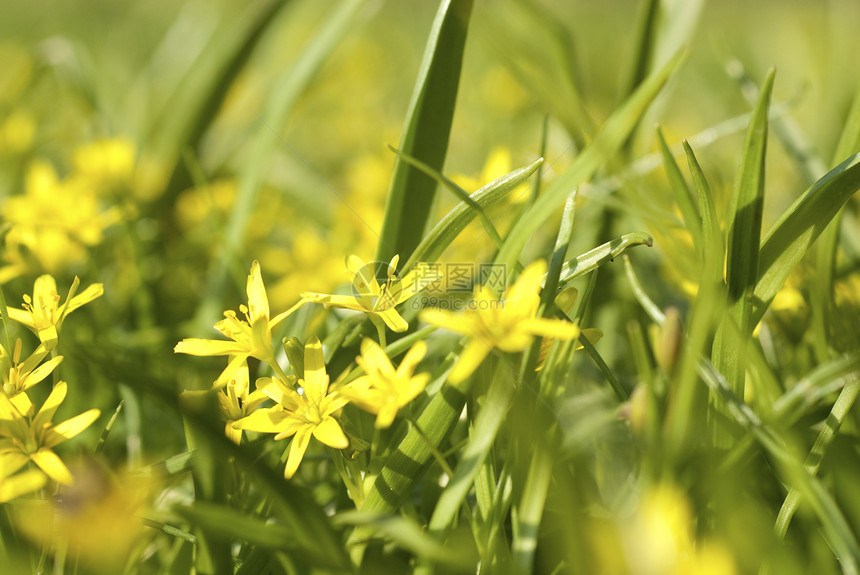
(742, 255)
(425, 136)
(455, 221)
(593, 259)
(489, 420)
(792, 236)
(683, 196)
(618, 127)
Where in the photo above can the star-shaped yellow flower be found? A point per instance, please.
(24, 439)
(249, 337)
(509, 324)
(305, 414)
(384, 390)
(43, 313)
(377, 301)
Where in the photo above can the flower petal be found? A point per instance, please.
(46, 412)
(265, 420)
(413, 357)
(208, 347)
(328, 431)
(393, 320)
(21, 484)
(74, 426)
(297, 451)
(315, 380)
(447, 320)
(469, 361)
(52, 465)
(92, 292)
(551, 328)
(258, 302)
(11, 460)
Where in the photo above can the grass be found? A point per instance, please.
(700, 419)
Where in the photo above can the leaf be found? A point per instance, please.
(408, 206)
(742, 259)
(795, 232)
(593, 259)
(683, 197)
(455, 221)
(482, 435)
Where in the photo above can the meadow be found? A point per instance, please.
(430, 287)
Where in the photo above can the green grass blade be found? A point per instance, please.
(712, 237)
(742, 256)
(411, 195)
(794, 233)
(643, 44)
(593, 259)
(285, 93)
(825, 437)
(618, 127)
(455, 221)
(489, 420)
(198, 96)
(683, 196)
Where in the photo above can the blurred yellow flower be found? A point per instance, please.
(250, 337)
(236, 402)
(384, 390)
(509, 324)
(53, 221)
(659, 539)
(305, 414)
(42, 312)
(106, 165)
(24, 438)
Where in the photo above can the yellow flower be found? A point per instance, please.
(54, 220)
(24, 439)
(250, 337)
(384, 390)
(305, 414)
(42, 312)
(106, 164)
(236, 402)
(19, 377)
(377, 301)
(509, 324)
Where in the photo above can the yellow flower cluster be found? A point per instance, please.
(26, 434)
(306, 405)
(55, 221)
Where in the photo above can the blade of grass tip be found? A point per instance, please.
(643, 45)
(285, 93)
(461, 194)
(411, 194)
(550, 285)
(688, 404)
(798, 228)
(103, 438)
(825, 255)
(593, 259)
(544, 142)
(616, 130)
(742, 260)
(196, 99)
(455, 221)
(482, 435)
(683, 196)
(712, 237)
